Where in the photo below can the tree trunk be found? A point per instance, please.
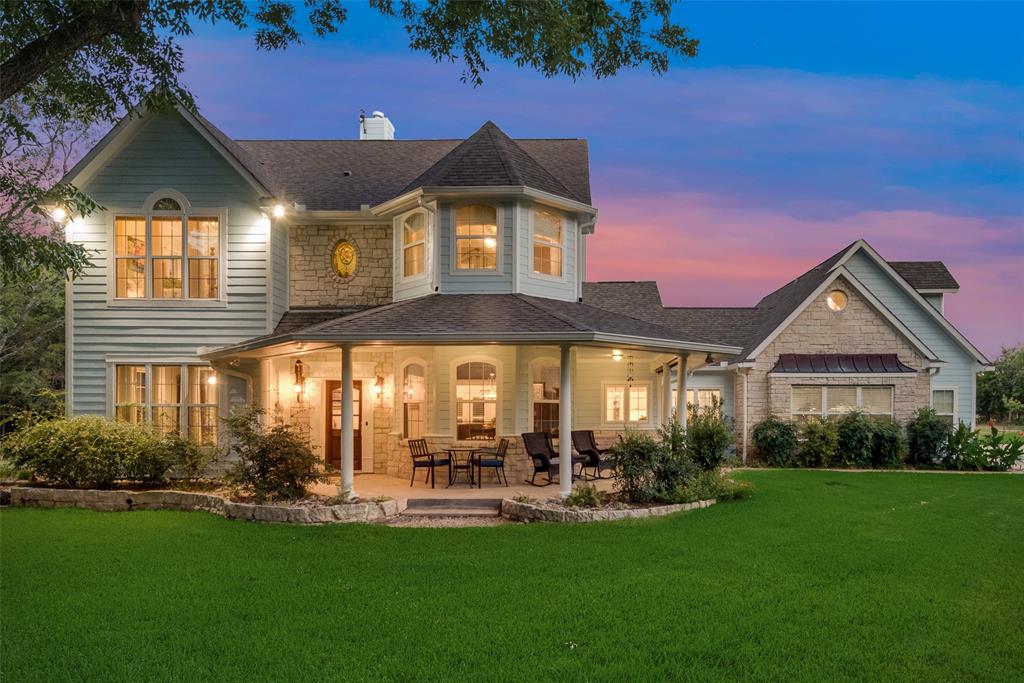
(95, 22)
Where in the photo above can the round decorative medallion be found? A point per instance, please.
(344, 259)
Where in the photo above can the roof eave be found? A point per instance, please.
(413, 197)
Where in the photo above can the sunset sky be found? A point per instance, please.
(797, 130)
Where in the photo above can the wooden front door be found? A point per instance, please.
(333, 431)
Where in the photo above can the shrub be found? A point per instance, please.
(819, 442)
(190, 460)
(649, 470)
(708, 435)
(927, 438)
(887, 444)
(775, 440)
(964, 450)
(273, 462)
(855, 433)
(584, 496)
(89, 451)
(1003, 449)
(712, 484)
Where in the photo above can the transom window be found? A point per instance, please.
(167, 254)
(414, 233)
(476, 237)
(414, 395)
(476, 401)
(546, 380)
(832, 401)
(944, 404)
(548, 235)
(623, 403)
(177, 399)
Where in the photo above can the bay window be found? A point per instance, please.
(175, 398)
(548, 235)
(414, 233)
(836, 400)
(476, 401)
(476, 237)
(167, 254)
(624, 403)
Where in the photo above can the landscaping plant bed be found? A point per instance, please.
(553, 510)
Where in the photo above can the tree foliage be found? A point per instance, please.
(1001, 391)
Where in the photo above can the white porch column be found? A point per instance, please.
(666, 394)
(346, 486)
(565, 424)
(681, 412)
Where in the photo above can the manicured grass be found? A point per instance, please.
(821, 576)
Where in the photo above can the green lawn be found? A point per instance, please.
(820, 576)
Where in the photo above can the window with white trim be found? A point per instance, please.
(698, 399)
(476, 237)
(548, 236)
(835, 400)
(476, 401)
(167, 253)
(546, 378)
(944, 404)
(175, 398)
(414, 233)
(414, 396)
(624, 403)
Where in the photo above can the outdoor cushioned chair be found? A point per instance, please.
(422, 457)
(493, 458)
(545, 458)
(586, 445)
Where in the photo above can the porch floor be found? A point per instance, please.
(373, 485)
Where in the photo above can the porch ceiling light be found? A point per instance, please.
(278, 210)
(616, 355)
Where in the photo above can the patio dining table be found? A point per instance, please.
(462, 459)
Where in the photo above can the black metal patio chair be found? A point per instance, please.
(545, 458)
(586, 445)
(493, 458)
(423, 458)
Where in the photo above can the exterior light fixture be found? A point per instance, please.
(300, 381)
(212, 379)
(59, 214)
(616, 355)
(278, 210)
(709, 359)
(378, 387)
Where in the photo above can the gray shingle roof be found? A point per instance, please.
(925, 274)
(859, 363)
(300, 317)
(490, 158)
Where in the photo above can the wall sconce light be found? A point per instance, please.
(212, 379)
(378, 387)
(709, 359)
(300, 380)
(616, 355)
(59, 214)
(278, 210)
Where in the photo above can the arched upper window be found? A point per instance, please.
(167, 251)
(476, 237)
(414, 233)
(414, 396)
(476, 401)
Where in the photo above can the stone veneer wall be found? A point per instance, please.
(856, 329)
(312, 280)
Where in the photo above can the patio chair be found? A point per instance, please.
(422, 457)
(493, 458)
(586, 445)
(545, 458)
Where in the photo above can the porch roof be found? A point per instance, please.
(481, 318)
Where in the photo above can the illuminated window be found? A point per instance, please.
(834, 401)
(167, 254)
(202, 404)
(546, 380)
(130, 393)
(701, 399)
(476, 401)
(547, 243)
(414, 233)
(414, 394)
(625, 403)
(476, 237)
(837, 300)
(158, 393)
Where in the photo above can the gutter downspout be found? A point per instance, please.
(744, 372)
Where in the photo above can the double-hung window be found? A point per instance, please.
(476, 237)
(548, 236)
(175, 398)
(414, 231)
(625, 403)
(476, 401)
(167, 253)
(836, 400)
(414, 395)
(944, 404)
(545, 385)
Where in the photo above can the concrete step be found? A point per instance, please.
(453, 507)
(451, 512)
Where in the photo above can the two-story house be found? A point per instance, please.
(376, 290)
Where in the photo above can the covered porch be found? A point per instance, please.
(362, 389)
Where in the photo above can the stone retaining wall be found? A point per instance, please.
(538, 512)
(125, 501)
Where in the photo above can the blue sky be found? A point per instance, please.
(798, 129)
